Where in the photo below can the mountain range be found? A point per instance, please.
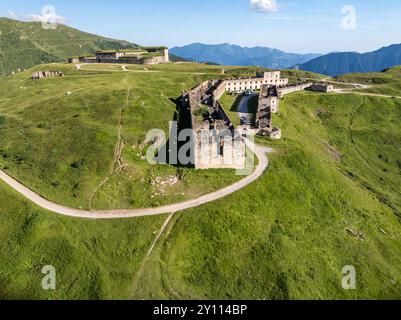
(228, 54)
(335, 64)
(26, 44)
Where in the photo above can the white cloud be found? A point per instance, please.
(45, 17)
(12, 14)
(266, 6)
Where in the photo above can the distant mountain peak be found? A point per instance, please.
(338, 63)
(231, 54)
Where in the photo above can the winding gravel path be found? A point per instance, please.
(258, 150)
(263, 164)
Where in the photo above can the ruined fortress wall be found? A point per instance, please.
(275, 134)
(88, 59)
(47, 74)
(194, 100)
(216, 95)
(264, 117)
(134, 56)
(321, 87)
(129, 59)
(209, 157)
(208, 152)
(272, 102)
(223, 114)
(220, 90)
(154, 60)
(166, 55)
(211, 151)
(284, 82)
(293, 88)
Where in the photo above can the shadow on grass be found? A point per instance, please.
(253, 105)
(182, 116)
(234, 107)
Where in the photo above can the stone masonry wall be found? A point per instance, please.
(213, 150)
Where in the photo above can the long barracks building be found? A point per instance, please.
(141, 55)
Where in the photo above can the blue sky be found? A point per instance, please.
(290, 25)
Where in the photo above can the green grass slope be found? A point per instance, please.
(336, 171)
(63, 146)
(26, 44)
(387, 82)
(288, 236)
(93, 259)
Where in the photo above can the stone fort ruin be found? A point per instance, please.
(217, 142)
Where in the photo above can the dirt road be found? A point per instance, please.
(259, 151)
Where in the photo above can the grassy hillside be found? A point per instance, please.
(336, 173)
(93, 259)
(24, 45)
(387, 82)
(63, 146)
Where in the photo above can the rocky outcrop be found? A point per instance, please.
(46, 74)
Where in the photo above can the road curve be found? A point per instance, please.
(366, 94)
(357, 86)
(263, 164)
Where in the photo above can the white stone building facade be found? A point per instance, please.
(272, 78)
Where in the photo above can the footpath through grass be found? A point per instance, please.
(63, 145)
(387, 82)
(330, 198)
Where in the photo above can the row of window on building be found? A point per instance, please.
(232, 86)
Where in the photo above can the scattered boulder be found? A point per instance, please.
(356, 234)
(159, 185)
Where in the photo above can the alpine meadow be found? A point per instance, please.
(291, 190)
